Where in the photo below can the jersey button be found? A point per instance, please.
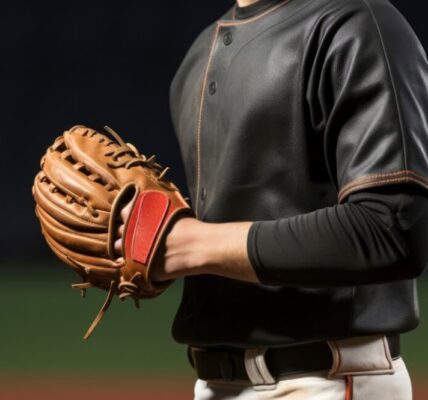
(203, 193)
(227, 38)
(212, 88)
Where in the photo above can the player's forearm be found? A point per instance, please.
(343, 245)
(194, 247)
(372, 239)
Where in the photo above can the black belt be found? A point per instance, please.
(228, 364)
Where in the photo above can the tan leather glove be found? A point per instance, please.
(86, 178)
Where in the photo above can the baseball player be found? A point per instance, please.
(303, 128)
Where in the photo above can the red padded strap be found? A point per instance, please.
(145, 222)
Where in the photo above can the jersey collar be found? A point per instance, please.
(253, 9)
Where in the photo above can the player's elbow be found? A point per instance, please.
(415, 259)
(398, 249)
(406, 260)
(402, 267)
(412, 256)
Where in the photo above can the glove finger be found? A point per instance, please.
(96, 152)
(87, 266)
(118, 242)
(66, 211)
(72, 177)
(88, 242)
(89, 147)
(118, 247)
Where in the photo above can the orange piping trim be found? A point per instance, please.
(349, 395)
(204, 82)
(199, 123)
(371, 180)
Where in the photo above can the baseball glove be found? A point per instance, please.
(86, 179)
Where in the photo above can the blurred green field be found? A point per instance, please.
(43, 321)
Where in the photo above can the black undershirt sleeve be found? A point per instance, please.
(378, 235)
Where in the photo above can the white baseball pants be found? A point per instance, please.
(362, 370)
(316, 387)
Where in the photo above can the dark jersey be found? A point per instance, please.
(310, 118)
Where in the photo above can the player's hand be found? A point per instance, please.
(172, 256)
(119, 234)
(193, 247)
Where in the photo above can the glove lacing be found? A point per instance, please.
(124, 290)
(136, 159)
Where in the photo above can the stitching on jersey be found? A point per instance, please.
(199, 121)
(391, 79)
(382, 181)
(382, 175)
(264, 32)
(372, 180)
(201, 102)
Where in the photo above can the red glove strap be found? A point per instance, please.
(145, 222)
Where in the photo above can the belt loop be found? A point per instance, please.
(364, 355)
(257, 370)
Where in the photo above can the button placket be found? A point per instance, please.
(222, 39)
(203, 193)
(227, 38)
(212, 88)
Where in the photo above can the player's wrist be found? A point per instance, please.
(194, 247)
(183, 248)
(222, 250)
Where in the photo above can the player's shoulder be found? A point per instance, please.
(347, 7)
(362, 18)
(378, 11)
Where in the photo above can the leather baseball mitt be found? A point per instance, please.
(86, 179)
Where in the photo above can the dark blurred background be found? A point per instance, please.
(95, 63)
(89, 62)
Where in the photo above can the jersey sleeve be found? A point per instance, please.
(368, 96)
(376, 236)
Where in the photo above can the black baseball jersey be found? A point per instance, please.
(309, 118)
